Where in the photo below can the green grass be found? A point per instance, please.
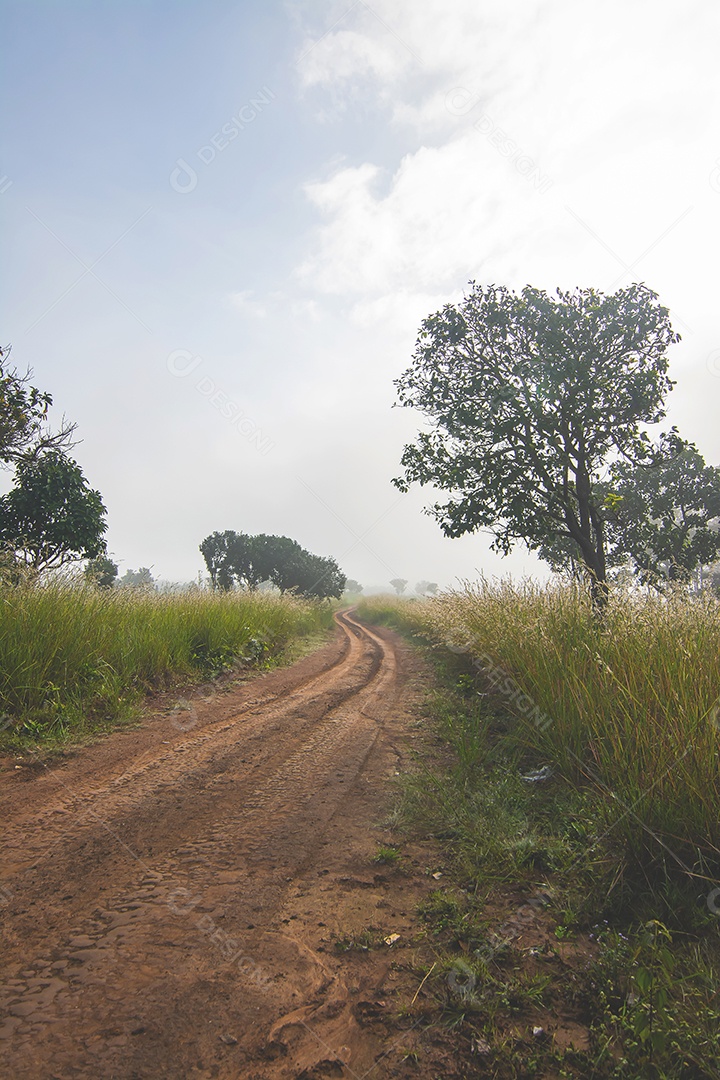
(629, 709)
(612, 851)
(73, 659)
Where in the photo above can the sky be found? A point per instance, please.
(223, 223)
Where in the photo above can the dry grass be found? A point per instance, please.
(631, 707)
(72, 657)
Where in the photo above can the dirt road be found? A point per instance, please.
(170, 896)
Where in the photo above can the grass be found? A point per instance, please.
(388, 856)
(74, 659)
(575, 809)
(629, 709)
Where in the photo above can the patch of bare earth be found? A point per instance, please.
(171, 896)
(198, 897)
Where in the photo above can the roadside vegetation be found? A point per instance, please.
(75, 659)
(577, 802)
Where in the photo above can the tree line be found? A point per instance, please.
(237, 559)
(52, 517)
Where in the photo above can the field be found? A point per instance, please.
(630, 707)
(73, 659)
(548, 869)
(581, 793)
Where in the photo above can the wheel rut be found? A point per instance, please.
(143, 893)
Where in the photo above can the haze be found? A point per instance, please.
(224, 222)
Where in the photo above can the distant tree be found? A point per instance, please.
(101, 572)
(353, 586)
(251, 560)
(424, 587)
(24, 430)
(51, 516)
(224, 553)
(399, 585)
(138, 579)
(273, 558)
(530, 398)
(312, 576)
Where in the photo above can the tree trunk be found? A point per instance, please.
(599, 595)
(592, 542)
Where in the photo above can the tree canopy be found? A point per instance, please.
(51, 516)
(24, 427)
(238, 558)
(530, 399)
(424, 587)
(138, 579)
(101, 572)
(664, 516)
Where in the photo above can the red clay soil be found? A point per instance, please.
(172, 898)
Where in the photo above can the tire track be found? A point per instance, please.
(147, 905)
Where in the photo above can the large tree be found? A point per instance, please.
(24, 428)
(530, 398)
(51, 516)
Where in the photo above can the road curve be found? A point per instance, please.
(142, 881)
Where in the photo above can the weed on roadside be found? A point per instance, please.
(562, 947)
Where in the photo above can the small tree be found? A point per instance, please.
(51, 516)
(399, 585)
(662, 516)
(530, 399)
(352, 586)
(274, 558)
(101, 572)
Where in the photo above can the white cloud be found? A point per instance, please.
(246, 303)
(544, 142)
(435, 226)
(553, 143)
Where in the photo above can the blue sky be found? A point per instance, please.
(227, 342)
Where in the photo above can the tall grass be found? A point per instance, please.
(630, 707)
(72, 656)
